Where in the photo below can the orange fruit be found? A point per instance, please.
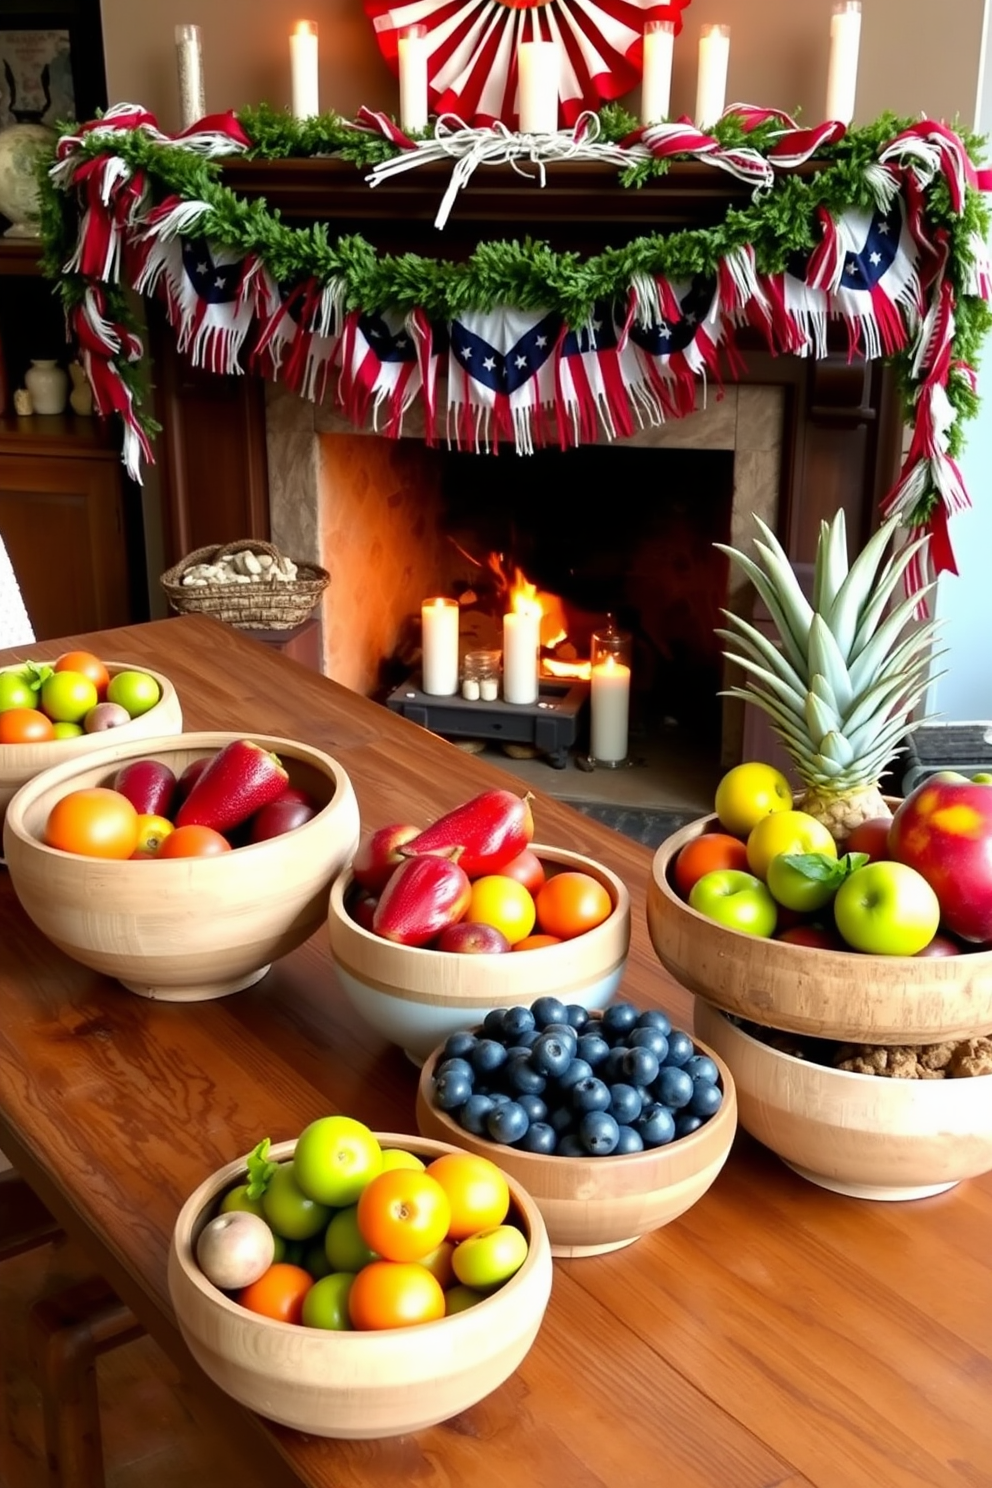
(571, 903)
(25, 726)
(504, 903)
(704, 855)
(278, 1293)
(89, 665)
(193, 842)
(403, 1214)
(536, 942)
(478, 1195)
(96, 822)
(394, 1294)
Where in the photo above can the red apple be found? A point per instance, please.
(943, 829)
(361, 907)
(470, 936)
(941, 945)
(815, 936)
(871, 837)
(277, 817)
(148, 784)
(293, 793)
(378, 855)
(188, 779)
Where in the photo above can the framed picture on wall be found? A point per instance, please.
(51, 62)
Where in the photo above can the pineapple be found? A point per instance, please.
(841, 687)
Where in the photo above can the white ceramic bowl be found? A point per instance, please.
(864, 1135)
(21, 762)
(415, 996)
(596, 1204)
(186, 929)
(357, 1384)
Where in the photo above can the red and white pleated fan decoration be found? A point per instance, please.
(472, 49)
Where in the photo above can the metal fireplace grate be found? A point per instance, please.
(550, 725)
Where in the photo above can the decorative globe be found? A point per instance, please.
(20, 148)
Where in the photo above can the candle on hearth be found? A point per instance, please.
(656, 77)
(711, 81)
(303, 68)
(842, 78)
(439, 643)
(521, 644)
(189, 62)
(411, 48)
(609, 696)
(537, 85)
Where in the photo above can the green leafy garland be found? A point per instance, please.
(528, 274)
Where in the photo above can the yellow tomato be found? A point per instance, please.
(786, 832)
(503, 902)
(747, 793)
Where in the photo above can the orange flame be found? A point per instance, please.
(521, 595)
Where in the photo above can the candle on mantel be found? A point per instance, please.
(842, 77)
(610, 703)
(411, 47)
(711, 82)
(538, 71)
(521, 645)
(439, 644)
(189, 61)
(656, 77)
(303, 68)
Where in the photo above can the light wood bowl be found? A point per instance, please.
(186, 929)
(596, 1204)
(863, 1135)
(800, 989)
(415, 997)
(19, 763)
(357, 1385)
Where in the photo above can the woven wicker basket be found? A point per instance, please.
(273, 605)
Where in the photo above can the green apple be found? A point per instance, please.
(982, 778)
(290, 1211)
(135, 691)
(489, 1257)
(16, 691)
(67, 730)
(335, 1157)
(396, 1157)
(67, 697)
(343, 1245)
(458, 1298)
(887, 909)
(736, 899)
(326, 1303)
(237, 1198)
(804, 891)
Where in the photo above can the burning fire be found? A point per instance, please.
(521, 596)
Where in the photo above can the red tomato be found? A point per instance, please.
(88, 665)
(571, 903)
(527, 869)
(705, 854)
(193, 842)
(278, 1293)
(394, 1294)
(403, 1214)
(25, 726)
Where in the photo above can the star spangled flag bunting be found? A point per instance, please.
(679, 345)
(501, 377)
(380, 370)
(209, 295)
(598, 379)
(299, 335)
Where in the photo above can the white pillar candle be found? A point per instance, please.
(439, 643)
(189, 62)
(521, 643)
(656, 77)
(610, 702)
(537, 85)
(303, 68)
(412, 52)
(711, 82)
(842, 77)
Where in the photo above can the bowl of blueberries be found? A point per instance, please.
(615, 1122)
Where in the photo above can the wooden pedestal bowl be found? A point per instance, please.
(596, 1204)
(801, 989)
(357, 1384)
(415, 997)
(867, 1136)
(185, 929)
(19, 763)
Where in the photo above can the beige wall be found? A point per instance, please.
(915, 58)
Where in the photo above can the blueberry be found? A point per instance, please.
(515, 1051)
(455, 1065)
(655, 1018)
(593, 1048)
(649, 1038)
(680, 1048)
(539, 1137)
(453, 1090)
(577, 1016)
(562, 1118)
(549, 1010)
(686, 1123)
(472, 1116)
(551, 1055)
(578, 1069)
(458, 1045)
(673, 1088)
(707, 1099)
(528, 1039)
(535, 1107)
(507, 1123)
(492, 1023)
(498, 1097)
(639, 1066)
(487, 1056)
(701, 1067)
(522, 1076)
(563, 1031)
(656, 1126)
(570, 1145)
(517, 1020)
(599, 1133)
(625, 1103)
(590, 1094)
(628, 1140)
(611, 1068)
(617, 1021)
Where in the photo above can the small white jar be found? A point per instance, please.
(48, 384)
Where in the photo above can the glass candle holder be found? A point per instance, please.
(609, 696)
(480, 676)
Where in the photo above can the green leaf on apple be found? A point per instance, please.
(36, 674)
(260, 1170)
(824, 869)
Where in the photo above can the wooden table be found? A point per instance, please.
(776, 1334)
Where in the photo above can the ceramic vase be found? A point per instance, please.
(48, 385)
(81, 397)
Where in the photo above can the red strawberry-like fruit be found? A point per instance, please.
(490, 829)
(423, 896)
(239, 780)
